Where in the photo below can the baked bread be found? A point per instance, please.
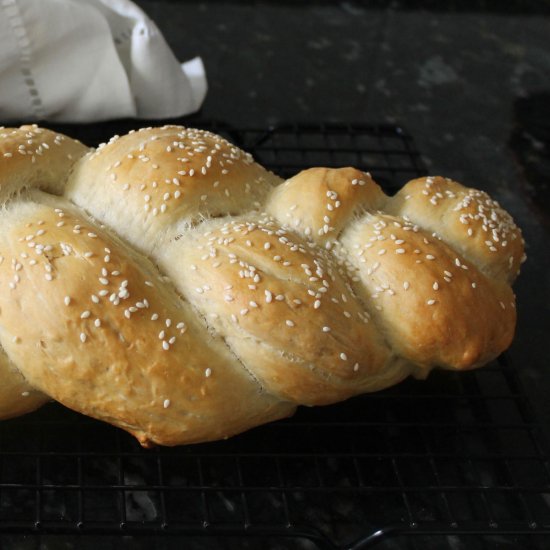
(168, 284)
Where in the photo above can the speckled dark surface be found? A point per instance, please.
(453, 78)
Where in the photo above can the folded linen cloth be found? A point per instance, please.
(90, 60)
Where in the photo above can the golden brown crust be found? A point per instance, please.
(105, 336)
(186, 294)
(157, 179)
(467, 219)
(283, 306)
(435, 308)
(35, 157)
(319, 202)
(17, 396)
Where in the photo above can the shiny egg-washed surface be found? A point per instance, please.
(168, 284)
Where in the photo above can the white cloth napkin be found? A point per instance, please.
(90, 60)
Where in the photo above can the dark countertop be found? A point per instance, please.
(461, 81)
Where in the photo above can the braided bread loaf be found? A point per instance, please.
(168, 284)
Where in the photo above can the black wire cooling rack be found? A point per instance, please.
(456, 461)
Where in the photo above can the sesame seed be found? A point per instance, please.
(208, 372)
(67, 300)
(289, 323)
(85, 314)
(343, 356)
(82, 337)
(165, 345)
(326, 329)
(166, 403)
(430, 302)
